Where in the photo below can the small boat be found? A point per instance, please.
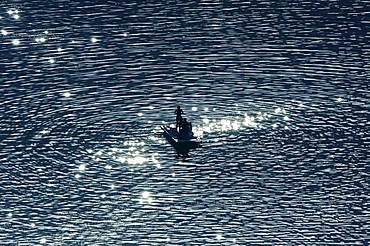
(182, 143)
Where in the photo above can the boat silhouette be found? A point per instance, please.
(183, 142)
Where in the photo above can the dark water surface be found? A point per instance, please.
(278, 90)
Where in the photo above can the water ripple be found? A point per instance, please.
(277, 92)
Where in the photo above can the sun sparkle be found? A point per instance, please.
(145, 194)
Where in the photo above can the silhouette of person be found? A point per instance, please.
(186, 129)
(178, 113)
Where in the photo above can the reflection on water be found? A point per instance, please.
(227, 125)
(131, 153)
(146, 197)
(277, 92)
(243, 122)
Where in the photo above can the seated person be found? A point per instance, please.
(185, 129)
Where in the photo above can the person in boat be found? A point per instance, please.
(185, 129)
(178, 113)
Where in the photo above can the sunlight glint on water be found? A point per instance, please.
(276, 91)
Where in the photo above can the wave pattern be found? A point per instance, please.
(278, 92)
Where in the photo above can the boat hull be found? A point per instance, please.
(181, 146)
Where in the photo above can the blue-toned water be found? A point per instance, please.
(278, 91)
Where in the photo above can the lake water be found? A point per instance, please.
(278, 91)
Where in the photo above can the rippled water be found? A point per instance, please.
(277, 90)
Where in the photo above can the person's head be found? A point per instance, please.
(184, 119)
(178, 107)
